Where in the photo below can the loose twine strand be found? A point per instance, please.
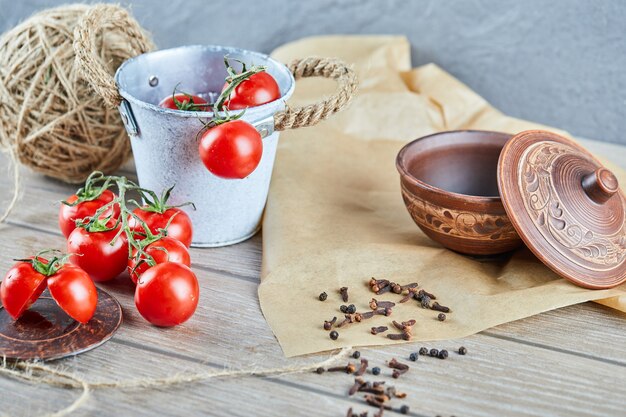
(37, 372)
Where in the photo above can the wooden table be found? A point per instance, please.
(570, 361)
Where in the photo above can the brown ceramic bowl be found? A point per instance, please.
(450, 188)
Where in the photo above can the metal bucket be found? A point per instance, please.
(164, 141)
(166, 149)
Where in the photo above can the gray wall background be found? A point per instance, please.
(558, 62)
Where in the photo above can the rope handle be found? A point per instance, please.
(105, 17)
(293, 118)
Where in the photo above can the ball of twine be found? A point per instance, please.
(50, 117)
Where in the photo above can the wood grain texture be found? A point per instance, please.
(569, 361)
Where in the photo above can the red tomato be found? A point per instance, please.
(180, 227)
(166, 249)
(20, 288)
(195, 104)
(259, 89)
(74, 292)
(69, 214)
(94, 253)
(70, 287)
(167, 294)
(231, 150)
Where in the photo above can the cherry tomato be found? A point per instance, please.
(167, 294)
(69, 214)
(231, 150)
(259, 89)
(20, 288)
(180, 227)
(70, 287)
(93, 252)
(166, 249)
(185, 103)
(74, 291)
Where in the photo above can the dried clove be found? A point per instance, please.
(379, 329)
(323, 296)
(441, 317)
(396, 288)
(384, 289)
(386, 304)
(358, 383)
(424, 301)
(393, 363)
(429, 295)
(409, 286)
(362, 368)
(397, 372)
(349, 368)
(344, 294)
(399, 336)
(372, 400)
(349, 413)
(328, 324)
(438, 307)
(462, 350)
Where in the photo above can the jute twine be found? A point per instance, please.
(50, 118)
(39, 373)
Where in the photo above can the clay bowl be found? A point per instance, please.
(450, 188)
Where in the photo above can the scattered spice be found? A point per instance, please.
(363, 367)
(344, 294)
(443, 354)
(379, 329)
(358, 383)
(393, 363)
(441, 317)
(404, 409)
(334, 335)
(343, 308)
(434, 353)
(413, 356)
(376, 370)
(462, 350)
(423, 351)
(397, 372)
(320, 370)
(351, 309)
(438, 307)
(328, 324)
(356, 354)
(399, 336)
(323, 296)
(349, 368)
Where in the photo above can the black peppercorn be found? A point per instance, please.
(376, 370)
(462, 350)
(433, 352)
(351, 309)
(323, 296)
(423, 351)
(356, 354)
(334, 335)
(413, 356)
(441, 317)
(404, 409)
(443, 354)
(320, 370)
(344, 309)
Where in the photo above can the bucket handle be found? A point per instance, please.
(89, 62)
(293, 118)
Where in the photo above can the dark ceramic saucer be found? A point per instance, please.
(45, 332)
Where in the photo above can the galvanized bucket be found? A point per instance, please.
(164, 141)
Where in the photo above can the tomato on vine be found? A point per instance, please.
(87, 200)
(101, 249)
(185, 102)
(167, 294)
(70, 287)
(159, 216)
(231, 150)
(251, 87)
(165, 249)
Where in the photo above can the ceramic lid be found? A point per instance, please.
(566, 207)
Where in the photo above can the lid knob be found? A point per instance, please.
(600, 185)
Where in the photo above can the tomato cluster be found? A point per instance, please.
(231, 148)
(105, 238)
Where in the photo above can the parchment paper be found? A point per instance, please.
(335, 215)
